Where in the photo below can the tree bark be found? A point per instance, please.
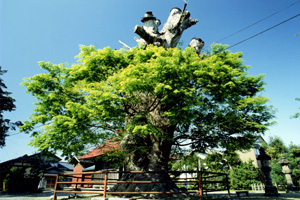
(146, 153)
(149, 152)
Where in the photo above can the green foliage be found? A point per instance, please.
(242, 176)
(114, 158)
(296, 115)
(277, 176)
(232, 158)
(189, 162)
(294, 157)
(275, 148)
(175, 95)
(215, 162)
(6, 104)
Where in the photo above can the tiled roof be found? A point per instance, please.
(102, 149)
(65, 166)
(29, 159)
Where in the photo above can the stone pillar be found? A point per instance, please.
(288, 174)
(270, 190)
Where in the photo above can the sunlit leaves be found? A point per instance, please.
(145, 91)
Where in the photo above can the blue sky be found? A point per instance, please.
(53, 30)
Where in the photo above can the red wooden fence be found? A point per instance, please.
(203, 181)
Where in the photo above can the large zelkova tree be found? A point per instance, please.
(150, 98)
(7, 104)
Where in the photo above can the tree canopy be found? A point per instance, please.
(145, 95)
(275, 147)
(6, 104)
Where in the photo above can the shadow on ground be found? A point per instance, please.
(221, 196)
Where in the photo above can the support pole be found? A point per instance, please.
(55, 188)
(228, 188)
(199, 184)
(105, 184)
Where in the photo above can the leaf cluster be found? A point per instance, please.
(245, 174)
(203, 101)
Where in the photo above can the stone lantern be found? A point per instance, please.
(270, 190)
(288, 174)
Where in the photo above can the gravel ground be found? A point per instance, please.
(221, 196)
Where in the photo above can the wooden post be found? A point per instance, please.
(3, 186)
(199, 184)
(55, 188)
(76, 185)
(228, 188)
(205, 185)
(105, 184)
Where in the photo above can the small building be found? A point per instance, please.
(253, 153)
(93, 161)
(22, 174)
(49, 174)
(95, 155)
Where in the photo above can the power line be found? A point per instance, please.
(21, 132)
(263, 31)
(258, 21)
(14, 134)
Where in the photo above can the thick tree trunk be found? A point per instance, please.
(146, 153)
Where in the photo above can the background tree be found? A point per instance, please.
(241, 174)
(182, 162)
(245, 174)
(294, 157)
(215, 162)
(152, 100)
(278, 178)
(6, 104)
(275, 147)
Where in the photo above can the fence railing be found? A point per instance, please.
(258, 187)
(101, 181)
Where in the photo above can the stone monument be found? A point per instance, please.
(270, 190)
(288, 174)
